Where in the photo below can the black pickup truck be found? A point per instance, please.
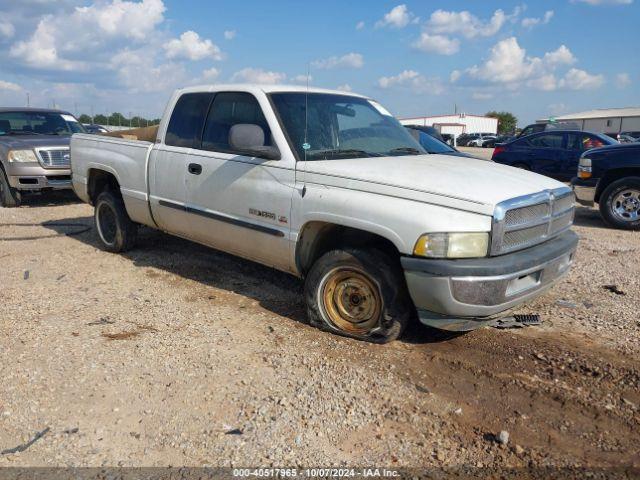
(610, 177)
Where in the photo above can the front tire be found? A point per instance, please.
(359, 294)
(620, 204)
(115, 229)
(9, 197)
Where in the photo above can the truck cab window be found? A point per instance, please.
(227, 110)
(187, 119)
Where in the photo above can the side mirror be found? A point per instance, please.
(249, 139)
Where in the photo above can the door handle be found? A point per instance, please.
(195, 168)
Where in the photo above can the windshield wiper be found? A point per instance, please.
(408, 150)
(349, 152)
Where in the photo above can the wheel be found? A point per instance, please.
(9, 197)
(521, 166)
(359, 294)
(116, 230)
(620, 203)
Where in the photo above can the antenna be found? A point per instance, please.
(306, 145)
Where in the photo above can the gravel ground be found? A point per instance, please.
(174, 354)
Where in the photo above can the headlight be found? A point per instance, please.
(452, 245)
(22, 156)
(584, 168)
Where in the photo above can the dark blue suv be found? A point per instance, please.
(553, 153)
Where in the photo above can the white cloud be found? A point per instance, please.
(439, 44)
(576, 79)
(360, 25)
(481, 96)
(344, 88)
(604, 2)
(138, 72)
(229, 34)
(191, 47)
(257, 75)
(416, 82)
(350, 60)
(466, 24)
(210, 74)
(127, 18)
(546, 83)
(7, 29)
(301, 79)
(561, 56)
(14, 87)
(534, 21)
(557, 108)
(455, 76)
(60, 40)
(398, 17)
(623, 80)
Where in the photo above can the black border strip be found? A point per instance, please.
(222, 218)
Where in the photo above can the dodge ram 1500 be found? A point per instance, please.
(330, 187)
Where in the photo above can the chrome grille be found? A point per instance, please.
(54, 157)
(526, 221)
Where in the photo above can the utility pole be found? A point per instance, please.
(92, 117)
(28, 100)
(130, 119)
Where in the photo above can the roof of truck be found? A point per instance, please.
(31, 109)
(252, 87)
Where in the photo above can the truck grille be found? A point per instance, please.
(526, 221)
(54, 157)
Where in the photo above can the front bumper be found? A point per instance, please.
(32, 176)
(585, 190)
(462, 295)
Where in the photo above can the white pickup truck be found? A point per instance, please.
(328, 186)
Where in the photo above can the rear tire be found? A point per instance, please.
(9, 197)
(620, 204)
(115, 229)
(359, 294)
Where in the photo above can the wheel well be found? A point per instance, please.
(99, 181)
(317, 238)
(613, 175)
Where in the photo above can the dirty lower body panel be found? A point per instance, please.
(462, 295)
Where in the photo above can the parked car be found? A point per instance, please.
(634, 134)
(428, 130)
(554, 154)
(624, 138)
(491, 142)
(328, 186)
(544, 127)
(480, 139)
(466, 139)
(34, 151)
(610, 177)
(94, 128)
(433, 145)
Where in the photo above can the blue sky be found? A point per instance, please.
(535, 59)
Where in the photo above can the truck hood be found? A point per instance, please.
(33, 141)
(468, 184)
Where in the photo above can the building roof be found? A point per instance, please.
(601, 113)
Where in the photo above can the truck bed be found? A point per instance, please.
(126, 158)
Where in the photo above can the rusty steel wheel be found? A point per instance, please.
(350, 301)
(359, 293)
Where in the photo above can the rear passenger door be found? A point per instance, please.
(169, 163)
(242, 203)
(546, 153)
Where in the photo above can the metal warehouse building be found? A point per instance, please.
(608, 120)
(456, 124)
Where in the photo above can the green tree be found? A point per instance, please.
(100, 119)
(84, 118)
(507, 121)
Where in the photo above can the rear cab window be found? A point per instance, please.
(187, 120)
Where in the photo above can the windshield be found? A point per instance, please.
(39, 123)
(325, 126)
